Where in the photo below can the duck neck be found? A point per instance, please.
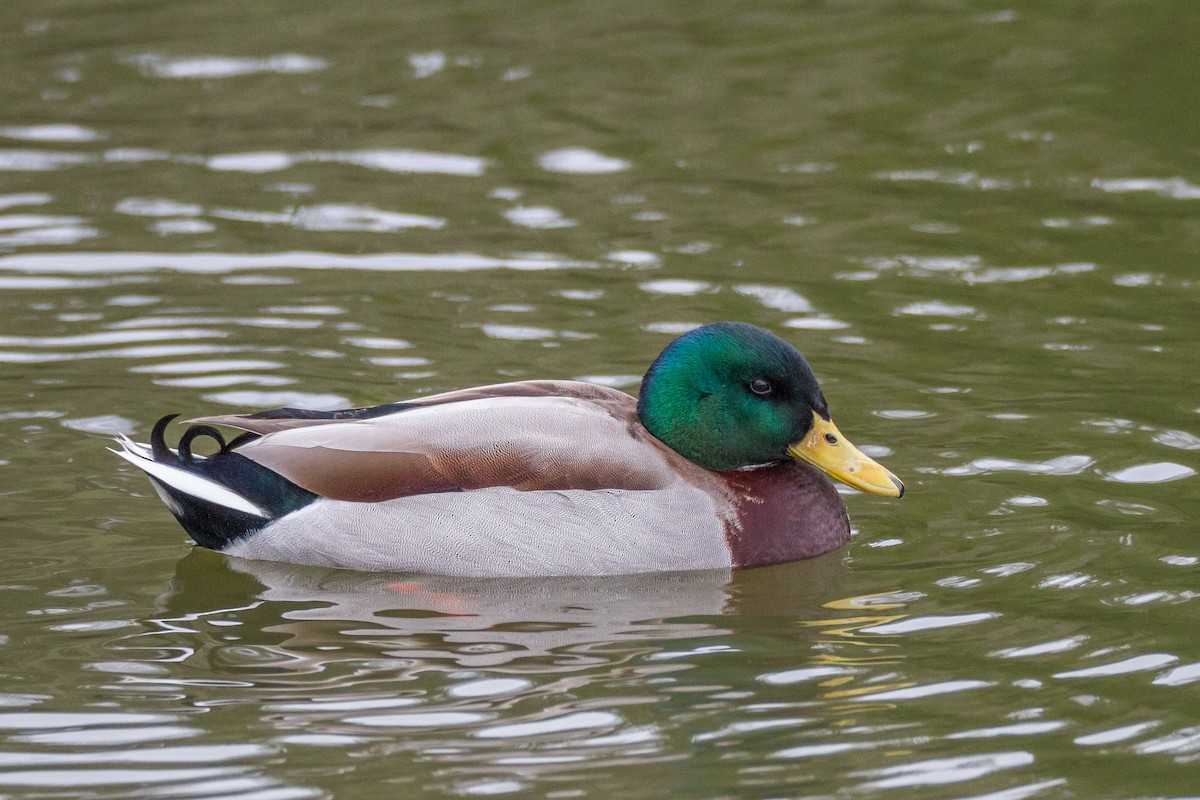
(783, 512)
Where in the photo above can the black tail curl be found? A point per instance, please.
(158, 441)
(210, 524)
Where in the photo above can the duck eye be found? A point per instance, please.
(761, 386)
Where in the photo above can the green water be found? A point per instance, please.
(977, 220)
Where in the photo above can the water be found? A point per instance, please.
(978, 221)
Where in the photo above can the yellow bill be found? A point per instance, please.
(826, 449)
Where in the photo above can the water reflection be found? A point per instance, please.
(581, 161)
(1174, 188)
(216, 204)
(314, 617)
(209, 67)
(513, 679)
(123, 263)
(552, 624)
(52, 133)
(40, 160)
(334, 217)
(412, 161)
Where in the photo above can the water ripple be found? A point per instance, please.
(1062, 465)
(676, 286)
(334, 217)
(40, 160)
(1055, 646)
(60, 132)
(1115, 735)
(1141, 663)
(970, 269)
(102, 736)
(941, 771)
(1016, 729)
(113, 337)
(246, 398)
(42, 720)
(517, 333)
(805, 674)
(26, 199)
(581, 161)
(217, 381)
(913, 624)
(1158, 472)
(1183, 741)
(171, 227)
(426, 64)
(779, 298)
(816, 324)
(1178, 439)
(419, 719)
(108, 424)
(925, 690)
(207, 365)
(1173, 188)
(1020, 274)
(147, 351)
(220, 263)
(17, 221)
(489, 687)
(109, 777)
(970, 180)
(408, 161)
(936, 308)
(824, 749)
(578, 721)
(250, 322)
(156, 65)
(186, 754)
(538, 217)
(157, 207)
(36, 229)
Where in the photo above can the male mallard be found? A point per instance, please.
(718, 464)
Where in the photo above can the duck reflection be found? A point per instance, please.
(436, 622)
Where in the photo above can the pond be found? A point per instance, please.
(977, 220)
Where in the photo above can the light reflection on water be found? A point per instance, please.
(517, 681)
(230, 208)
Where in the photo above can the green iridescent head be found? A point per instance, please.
(730, 395)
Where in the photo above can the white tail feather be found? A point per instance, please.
(137, 448)
(183, 481)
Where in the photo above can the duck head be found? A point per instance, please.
(732, 395)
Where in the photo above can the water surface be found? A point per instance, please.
(977, 221)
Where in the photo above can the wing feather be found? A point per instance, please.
(530, 436)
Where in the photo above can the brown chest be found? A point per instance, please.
(783, 512)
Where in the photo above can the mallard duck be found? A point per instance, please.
(719, 463)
